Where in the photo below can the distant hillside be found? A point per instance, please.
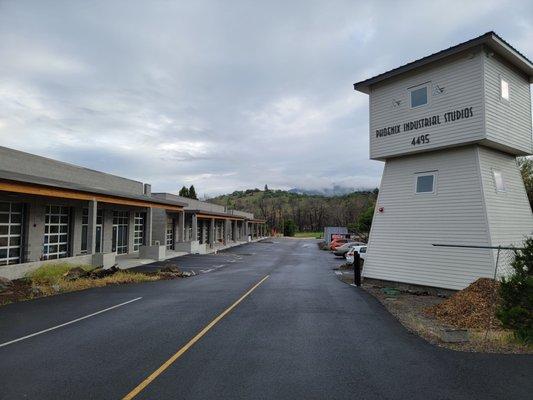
(310, 212)
(336, 190)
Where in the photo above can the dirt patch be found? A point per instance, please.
(76, 279)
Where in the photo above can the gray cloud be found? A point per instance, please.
(222, 95)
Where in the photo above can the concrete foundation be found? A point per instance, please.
(152, 252)
(104, 260)
(193, 247)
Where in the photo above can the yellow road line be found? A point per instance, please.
(182, 351)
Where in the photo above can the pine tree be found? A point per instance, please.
(516, 291)
(184, 192)
(266, 188)
(192, 193)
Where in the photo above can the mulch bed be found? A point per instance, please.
(472, 307)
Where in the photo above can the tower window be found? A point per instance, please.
(418, 95)
(498, 181)
(504, 89)
(425, 183)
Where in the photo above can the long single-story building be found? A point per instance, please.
(52, 210)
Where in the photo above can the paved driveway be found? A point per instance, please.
(300, 334)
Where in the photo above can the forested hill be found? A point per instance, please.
(309, 212)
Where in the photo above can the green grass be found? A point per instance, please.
(52, 273)
(315, 235)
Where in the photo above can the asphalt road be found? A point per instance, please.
(301, 334)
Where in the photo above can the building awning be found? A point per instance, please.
(26, 184)
(211, 214)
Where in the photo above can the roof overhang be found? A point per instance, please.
(489, 39)
(209, 215)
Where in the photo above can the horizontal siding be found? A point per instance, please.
(400, 244)
(507, 122)
(462, 80)
(509, 213)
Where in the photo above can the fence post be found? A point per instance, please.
(356, 269)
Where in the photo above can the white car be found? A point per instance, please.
(359, 249)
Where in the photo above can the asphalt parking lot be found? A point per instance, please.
(273, 322)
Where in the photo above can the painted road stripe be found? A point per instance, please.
(68, 323)
(191, 342)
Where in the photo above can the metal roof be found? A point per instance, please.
(490, 39)
(213, 214)
(36, 180)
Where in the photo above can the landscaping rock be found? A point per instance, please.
(35, 291)
(5, 284)
(75, 273)
(453, 335)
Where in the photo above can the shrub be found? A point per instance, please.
(53, 272)
(289, 228)
(516, 291)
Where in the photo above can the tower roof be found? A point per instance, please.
(491, 39)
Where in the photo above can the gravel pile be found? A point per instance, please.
(471, 307)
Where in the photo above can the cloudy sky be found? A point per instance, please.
(225, 95)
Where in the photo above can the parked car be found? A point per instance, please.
(342, 250)
(356, 249)
(338, 242)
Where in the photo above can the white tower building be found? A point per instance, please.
(449, 127)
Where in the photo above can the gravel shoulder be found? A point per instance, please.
(411, 309)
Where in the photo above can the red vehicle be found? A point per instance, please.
(337, 243)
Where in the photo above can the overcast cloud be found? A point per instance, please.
(225, 95)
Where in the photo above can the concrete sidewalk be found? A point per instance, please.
(128, 261)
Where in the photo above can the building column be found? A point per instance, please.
(212, 232)
(194, 231)
(91, 228)
(180, 233)
(227, 231)
(235, 230)
(149, 227)
(205, 238)
(76, 236)
(107, 234)
(131, 230)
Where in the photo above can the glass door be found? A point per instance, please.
(56, 232)
(120, 232)
(169, 239)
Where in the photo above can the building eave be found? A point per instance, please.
(490, 39)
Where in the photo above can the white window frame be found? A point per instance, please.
(15, 210)
(169, 233)
(58, 217)
(419, 174)
(502, 80)
(427, 85)
(504, 186)
(138, 230)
